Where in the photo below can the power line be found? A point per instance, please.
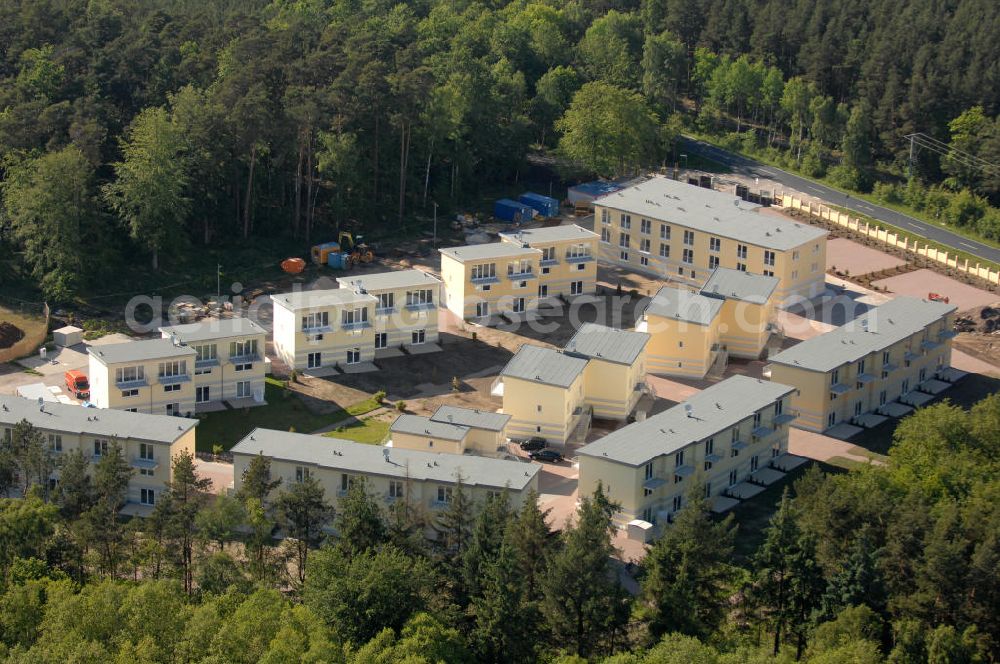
(923, 141)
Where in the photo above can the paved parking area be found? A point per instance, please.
(921, 282)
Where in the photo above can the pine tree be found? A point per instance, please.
(455, 523)
(858, 582)
(685, 586)
(584, 603)
(75, 492)
(531, 539)
(257, 482)
(187, 494)
(504, 630)
(360, 523)
(111, 478)
(302, 511)
(487, 536)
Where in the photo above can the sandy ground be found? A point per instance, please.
(52, 368)
(844, 254)
(221, 474)
(821, 448)
(921, 282)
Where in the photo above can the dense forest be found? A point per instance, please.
(132, 130)
(896, 562)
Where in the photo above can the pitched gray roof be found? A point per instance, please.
(474, 419)
(364, 459)
(102, 422)
(684, 305)
(140, 350)
(876, 329)
(607, 343)
(709, 211)
(382, 281)
(544, 365)
(314, 299)
(424, 426)
(738, 285)
(549, 234)
(478, 252)
(208, 329)
(714, 409)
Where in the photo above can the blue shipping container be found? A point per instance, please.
(543, 205)
(508, 210)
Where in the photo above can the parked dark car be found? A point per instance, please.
(550, 456)
(533, 444)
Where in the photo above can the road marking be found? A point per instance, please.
(816, 189)
(966, 244)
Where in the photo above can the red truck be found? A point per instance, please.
(76, 383)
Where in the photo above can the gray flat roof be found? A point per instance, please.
(607, 343)
(381, 281)
(684, 305)
(544, 365)
(101, 422)
(550, 234)
(314, 299)
(418, 425)
(208, 329)
(709, 211)
(479, 252)
(472, 418)
(712, 410)
(140, 350)
(738, 285)
(874, 330)
(351, 457)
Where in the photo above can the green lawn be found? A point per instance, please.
(282, 412)
(369, 430)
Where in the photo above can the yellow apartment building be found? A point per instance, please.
(452, 430)
(487, 280)
(568, 264)
(149, 376)
(724, 434)
(543, 392)
(732, 315)
(229, 362)
(681, 233)
(324, 329)
(882, 362)
(615, 377)
(406, 313)
(148, 442)
(428, 480)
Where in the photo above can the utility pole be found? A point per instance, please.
(435, 223)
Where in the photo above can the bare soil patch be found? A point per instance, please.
(10, 334)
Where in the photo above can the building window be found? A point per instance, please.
(129, 374)
(605, 216)
(301, 474)
(815, 267)
(742, 267)
(395, 489)
(418, 337)
(381, 340)
(664, 250)
(795, 255)
(205, 353)
(605, 235)
(623, 240)
(795, 275)
(645, 226)
(173, 368)
(664, 232)
(242, 367)
(768, 273)
(55, 442)
(644, 260)
(708, 489)
(756, 419)
(100, 447)
(386, 302)
(714, 244)
(709, 446)
(357, 316)
(201, 394)
(575, 287)
(246, 348)
(644, 244)
(647, 492)
(579, 250)
(708, 466)
(648, 470)
(688, 256)
(243, 389)
(733, 477)
(741, 251)
(779, 407)
(769, 258)
(346, 482)
(317, 320)
(677, 503)
(626, 221)
(134, 392)
(484, 271)
(713, 262)
(623, 255)
(172, 388)
(314, 360)
(689, 238)
(482, 309)
(444, 494)
(147, 496)
(679, 459)
(835, 376)
(353, 355)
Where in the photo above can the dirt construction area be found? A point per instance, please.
(921, 282)
(843, 254)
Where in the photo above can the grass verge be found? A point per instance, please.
(284, 411)
(368, 430)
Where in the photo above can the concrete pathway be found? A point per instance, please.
(818, 447)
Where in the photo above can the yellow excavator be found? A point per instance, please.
(354, 248)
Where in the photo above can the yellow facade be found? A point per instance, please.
(552, 412)
(474, 441)
(151, 376)
(745, 327)
(680, 347)
(682, 232)
(568, 264)
(612, 389)
(148, 443)
(406, 313)
(482, 281)
(882, 367)
(324, 329)
(229, 364)
(648, 467)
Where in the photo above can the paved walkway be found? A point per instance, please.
(818, 447)
(220, 473)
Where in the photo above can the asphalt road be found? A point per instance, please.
(749, 168)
